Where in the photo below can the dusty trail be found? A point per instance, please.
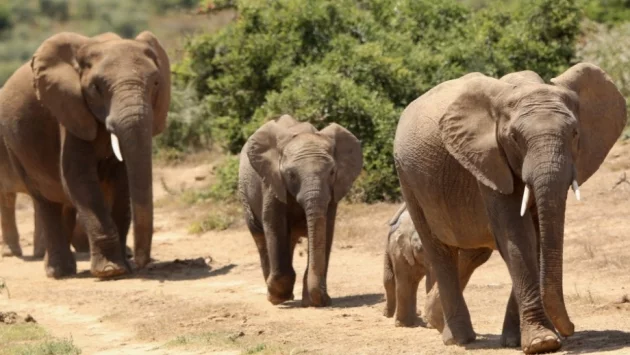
(205, 294)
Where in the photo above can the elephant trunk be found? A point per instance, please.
(130, 121)
(315, 204)
(550, 178)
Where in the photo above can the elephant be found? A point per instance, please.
(468, 149)
(291, 178)
(78, 121)
(406, 265)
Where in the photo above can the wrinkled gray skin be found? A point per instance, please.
(464, 153)
(406, 265)
(60, 114)
(291, 178)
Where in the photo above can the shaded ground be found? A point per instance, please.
(205, 293)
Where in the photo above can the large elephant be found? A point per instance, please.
(68, 118)
(291, 178)
(470, 153)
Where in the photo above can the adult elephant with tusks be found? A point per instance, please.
(487, 163)
(291, 178)
(78, 122)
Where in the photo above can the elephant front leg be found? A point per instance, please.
(511, 334)
(10, 235)
(80, 180)
(118, 202)
(59, 260)
(281, 277)
(515, 237)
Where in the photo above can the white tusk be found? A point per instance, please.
(116, 147)
(576, 190)
(525, 200)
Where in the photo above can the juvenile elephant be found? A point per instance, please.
(470, 153)
(68, 117)
(291, 178)
(406, 265)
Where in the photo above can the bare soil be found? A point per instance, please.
(205, 293)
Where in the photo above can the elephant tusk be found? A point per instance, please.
(525, 200)
(116, 147)
(576, 189)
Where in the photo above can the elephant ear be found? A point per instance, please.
(601, 114)
(468, 128)
(348, 158)
(57, 83)
(264, 152)
(163, 97)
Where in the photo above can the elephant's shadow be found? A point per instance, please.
(582, 342)
(176, 270)
(352, 301)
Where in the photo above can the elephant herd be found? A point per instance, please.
(484, 164)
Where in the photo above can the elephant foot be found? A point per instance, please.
(141, 258)
(11, 250)
(463, 335)
(316, 298)
(103, 267)
(39, 252)
(388, 311)
(537, 339)
(406, 321)
(511, 338)
(60, 265)
(275, 300)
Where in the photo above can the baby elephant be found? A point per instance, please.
(291, 178)
(406, 265)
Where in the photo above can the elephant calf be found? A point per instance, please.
(291, 178)
(406, 265)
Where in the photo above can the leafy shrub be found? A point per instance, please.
(360, 62)
(6, 22)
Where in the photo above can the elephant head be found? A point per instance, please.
(316, 168)
(122, 84)
(550, 137)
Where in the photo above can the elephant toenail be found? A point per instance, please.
(551, 337)
(536, 341)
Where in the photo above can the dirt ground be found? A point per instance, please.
(205, 293)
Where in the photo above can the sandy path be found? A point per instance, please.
(225, 301)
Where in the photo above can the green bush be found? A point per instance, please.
(360, 62)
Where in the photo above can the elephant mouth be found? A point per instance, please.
(527, 192)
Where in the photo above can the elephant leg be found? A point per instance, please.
(389, 281)
(281, 279)
(515, 237)
(39, 237)
(10, 235)
(261, 245)
(76, 235)
(406, 289)
(511, 334)
(443, 259)
(81, 182)
(468, 261)
(59, 260)
(119, 204)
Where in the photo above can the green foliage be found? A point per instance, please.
(607, 11)
(360, 62)
(32, 339)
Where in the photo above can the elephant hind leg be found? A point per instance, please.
(10, 235)
(443, 260)
(390, 287)
(59, 260)
(39, 237)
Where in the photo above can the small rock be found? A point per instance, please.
(260, 332)
(200, 178)
(623, 299)
(236, 336)
(29, 319)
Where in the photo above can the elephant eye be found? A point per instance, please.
(97, 88)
